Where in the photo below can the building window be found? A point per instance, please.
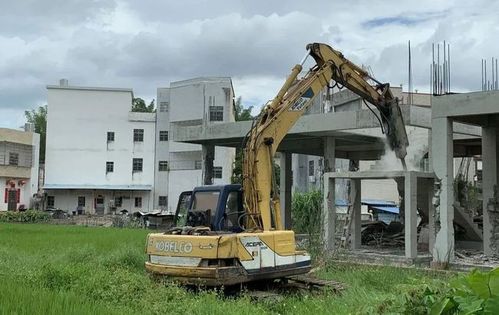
(163, 201)
(137, 165)
(50, 201)
(216, 113)
(163, 166)
(13, 158)
(110, 136)
(118, 201)
(163, 135)
(81, 201)
(217, 172)
(138, 135)
(197, 165)
(109, 167)
(138, 202)
(163, 106)
(311, 171)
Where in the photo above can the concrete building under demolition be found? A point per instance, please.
(453, 145)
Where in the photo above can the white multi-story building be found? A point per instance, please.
(19, 153)
(102, 158)
(205, 100)
(99, 155)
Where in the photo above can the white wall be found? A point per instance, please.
(77, 149)
(25, 194)
(189, 104)
(68, 199)
(161, 179)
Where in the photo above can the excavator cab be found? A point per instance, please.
(209, 244)
(220, 208)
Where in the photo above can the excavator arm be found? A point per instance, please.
(261, 197)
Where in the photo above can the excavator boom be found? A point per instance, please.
(261, 199)
(233, 235)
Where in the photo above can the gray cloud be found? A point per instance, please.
(30, 18)
(146, 44)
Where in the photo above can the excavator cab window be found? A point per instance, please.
(184, 201)
(203, 208)
(232, 218)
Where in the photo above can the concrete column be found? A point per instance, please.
(411, 211)
(443, 166)
(329, 215)
(430, 154)
(329, 205)
(431, 213)
(208, 152)
(329, 154)
(489, 181)
(355, 192)
(286, 182)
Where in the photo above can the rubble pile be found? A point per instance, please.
(475, 257)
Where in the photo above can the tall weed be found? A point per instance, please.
(306, 214)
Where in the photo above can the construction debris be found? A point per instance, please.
(475, 257)
(380, 234)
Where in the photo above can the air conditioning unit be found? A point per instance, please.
(311, 179)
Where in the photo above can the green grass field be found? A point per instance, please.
(54, 269)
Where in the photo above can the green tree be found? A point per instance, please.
(241, 113)
(38, 117)
(139, 105)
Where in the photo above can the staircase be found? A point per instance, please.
(465, 219)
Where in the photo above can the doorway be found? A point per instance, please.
(99, 205)
(12, 200)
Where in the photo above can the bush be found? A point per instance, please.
(124, 221)
(306, 210)
(306, 213)
(474, 293)
(30, 216)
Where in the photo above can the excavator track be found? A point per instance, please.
(278, 289)
(314, 283)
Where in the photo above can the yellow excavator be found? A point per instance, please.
(232, 234)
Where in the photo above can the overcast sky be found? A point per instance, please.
(145, 44)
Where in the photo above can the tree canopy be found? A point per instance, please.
(139, 105)
(241, 113)
(38, 117)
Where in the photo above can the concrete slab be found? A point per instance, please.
(461, 106)
(357, 133)
(377, 174)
